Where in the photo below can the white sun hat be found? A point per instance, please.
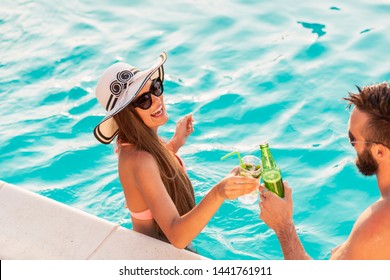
(117, 88)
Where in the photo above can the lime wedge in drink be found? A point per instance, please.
(271, 176)
(249, 166)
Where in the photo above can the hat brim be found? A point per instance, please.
(107, 129)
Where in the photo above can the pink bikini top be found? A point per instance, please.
(147, 214)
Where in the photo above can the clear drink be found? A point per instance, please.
(251, 169)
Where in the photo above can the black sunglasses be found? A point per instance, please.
(145, 100)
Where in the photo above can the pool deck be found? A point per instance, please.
(34, 227)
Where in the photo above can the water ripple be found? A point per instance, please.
(248, 72)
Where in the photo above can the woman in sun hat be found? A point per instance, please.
(157, 189)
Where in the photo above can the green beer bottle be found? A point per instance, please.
(271, 173)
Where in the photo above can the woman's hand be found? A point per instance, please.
(233, 185)
(184, 128)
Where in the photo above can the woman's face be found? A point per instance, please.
(156, 115)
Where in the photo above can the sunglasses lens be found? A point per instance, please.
(157, 87)
(144, 102)
(351, 138)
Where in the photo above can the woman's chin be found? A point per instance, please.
(161, 120)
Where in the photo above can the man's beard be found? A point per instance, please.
(366, 163)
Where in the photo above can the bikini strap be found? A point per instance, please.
(144, 215)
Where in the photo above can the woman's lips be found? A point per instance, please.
(158, 113)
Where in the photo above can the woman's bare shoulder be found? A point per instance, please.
(133, 165)
(136, 158)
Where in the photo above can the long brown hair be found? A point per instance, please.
(375, 101)
(133, 130)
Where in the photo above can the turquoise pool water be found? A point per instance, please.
(248, 70)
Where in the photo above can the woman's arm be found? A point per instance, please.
(184, 128)
(181, 230)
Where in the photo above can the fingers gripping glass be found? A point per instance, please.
(145, 100)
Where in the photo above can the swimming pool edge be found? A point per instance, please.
(35, 227)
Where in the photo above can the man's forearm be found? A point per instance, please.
(291, 245)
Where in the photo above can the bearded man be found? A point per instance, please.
(369, 134)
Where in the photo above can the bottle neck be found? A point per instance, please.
(267, 159)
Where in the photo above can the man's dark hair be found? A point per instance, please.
(374, 100)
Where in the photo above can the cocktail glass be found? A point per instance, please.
(250, 166)
(251, 169)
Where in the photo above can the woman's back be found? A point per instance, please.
(129, 161)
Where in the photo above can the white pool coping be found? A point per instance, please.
(34, 227)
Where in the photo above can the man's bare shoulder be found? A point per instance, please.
(370, 236)
(377, 221)
(376, 218)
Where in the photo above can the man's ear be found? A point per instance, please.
(380, 152)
